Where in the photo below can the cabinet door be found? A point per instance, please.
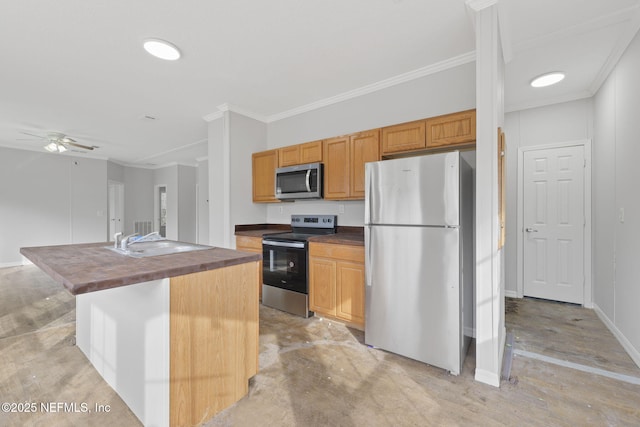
(350, 292)
(252, 244)
(365, 147)
(322, 286)
(403, 137)
(451, 129)
(264, 166)
(289, 156)
(311, 152)
(336, 168)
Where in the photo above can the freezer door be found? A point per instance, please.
(413, 305)
(420, 190)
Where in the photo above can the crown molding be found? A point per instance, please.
(383, 84)
(456, 61)
(478, 5)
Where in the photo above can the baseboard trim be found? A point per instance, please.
(486, 377)
(510, 294)
(626, 344)
(10, 264)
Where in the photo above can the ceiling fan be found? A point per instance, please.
(59, 142)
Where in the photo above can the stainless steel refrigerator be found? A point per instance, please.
(419, 258)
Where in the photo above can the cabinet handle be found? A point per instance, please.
(530, 230)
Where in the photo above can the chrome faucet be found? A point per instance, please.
(117, 239)
(124, 244)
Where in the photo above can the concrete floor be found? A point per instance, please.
(567, 370)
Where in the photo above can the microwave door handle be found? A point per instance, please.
(308, 180)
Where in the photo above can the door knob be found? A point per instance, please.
(530, 230)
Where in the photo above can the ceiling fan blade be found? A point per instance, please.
(33, 134)
(75, 144)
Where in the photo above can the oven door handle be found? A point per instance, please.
(308, 180)
(296, 245)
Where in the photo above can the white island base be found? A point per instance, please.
(177, 350)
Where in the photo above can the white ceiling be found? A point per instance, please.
(78, 67)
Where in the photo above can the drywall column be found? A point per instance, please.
(490, 331)
(219, 179)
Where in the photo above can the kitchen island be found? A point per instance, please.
(176, 336)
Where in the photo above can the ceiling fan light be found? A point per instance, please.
(547, 79)
(161, 49)
(51, 147)
(61, 148)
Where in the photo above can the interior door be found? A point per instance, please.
(116, 208)
(554, 221)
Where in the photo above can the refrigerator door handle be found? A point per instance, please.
(367, 257)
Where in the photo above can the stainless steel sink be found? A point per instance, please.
(155, 248)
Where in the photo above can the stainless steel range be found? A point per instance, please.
(285, 284)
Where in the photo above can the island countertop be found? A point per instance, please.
(90, 267)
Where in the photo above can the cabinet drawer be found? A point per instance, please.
(339, 252)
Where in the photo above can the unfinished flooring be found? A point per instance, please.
(567, 370)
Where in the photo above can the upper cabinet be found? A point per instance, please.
(403, 137)
(264, 166)
(451, 129)
(300, 154)
(344, 157)
(344, 160)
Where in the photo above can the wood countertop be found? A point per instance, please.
(346, 235)
(91, 267)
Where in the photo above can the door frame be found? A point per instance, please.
(156, 206)
(113, 183)
(586, 144)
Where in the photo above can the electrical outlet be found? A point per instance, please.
(340, 208)
(621, 215)
(281, 209)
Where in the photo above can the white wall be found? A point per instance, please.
(570, 121)
(180, 181)
(138, 196)
(49, 199)
(187, 206)
(444, 92)
(616, 176)
(246, 136)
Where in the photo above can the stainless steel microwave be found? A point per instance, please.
(299, 182)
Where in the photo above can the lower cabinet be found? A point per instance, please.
(336, 282)
(251, 244)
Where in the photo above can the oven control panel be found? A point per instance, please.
(314, 221)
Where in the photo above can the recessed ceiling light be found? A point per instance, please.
(547, 79)
(161, 49)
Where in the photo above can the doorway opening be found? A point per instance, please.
(161, 209)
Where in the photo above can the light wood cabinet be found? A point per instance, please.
(336, 168)
(252, 244)
(344, 160)
(300, 154)
(336, 282)
(403, 137)
(451, 129)
(264, 166)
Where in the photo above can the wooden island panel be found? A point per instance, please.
(213, 340)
